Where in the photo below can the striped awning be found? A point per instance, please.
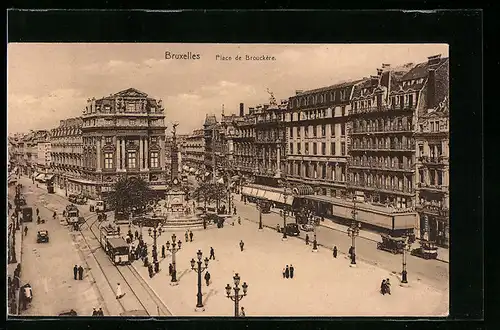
(303, 190)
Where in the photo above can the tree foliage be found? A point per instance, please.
(210, 192)
(129, 193)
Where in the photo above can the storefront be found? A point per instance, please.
(277, 196)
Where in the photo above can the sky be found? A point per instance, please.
(50, 82)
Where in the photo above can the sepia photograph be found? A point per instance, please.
(228, 180)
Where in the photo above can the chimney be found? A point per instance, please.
(242, 109)
(374, 80)
(379, 72)
(432, 60)
(431, 89)
(299, 91)
(386, 67)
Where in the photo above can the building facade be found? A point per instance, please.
(244, 155)
(123, 135)
(270, 142)
(67, 155)
(195, 151)
(317, 142)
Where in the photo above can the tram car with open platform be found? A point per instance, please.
(118, 251)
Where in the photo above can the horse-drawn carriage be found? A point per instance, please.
(427, 250)
(391, 244)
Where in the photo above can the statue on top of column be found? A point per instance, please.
(174, 129)
(272, 99)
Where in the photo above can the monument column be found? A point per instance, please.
(122, 158)
(141, 153)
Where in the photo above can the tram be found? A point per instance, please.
(118, 251)
(106, 233)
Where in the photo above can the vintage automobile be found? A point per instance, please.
(42, 236)
(307, 227)
(27, 213)
(80, 200)
(25, 295)
(292, 229)
(147, 221)
(391, 244)
(427, 250)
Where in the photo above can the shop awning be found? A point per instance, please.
(289, 199)
(303, 190)
(273, 196)
(236, 177)
(159, 187)
(35, 174)
(49, 177)
(40, 177)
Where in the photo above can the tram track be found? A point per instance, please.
(149, 300)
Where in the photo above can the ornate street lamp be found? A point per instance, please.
(259, 207)
(353, 232)
(236, 297)
(199, 270)
(285, 209)
(404, 273)
(315, 242)
(173, 248)
(156, 233)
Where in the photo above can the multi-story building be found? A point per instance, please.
(382, 146)
(244, 155)
(43, 160)
(270, 142)
(195, 151)
(123, 135)
(67, 155)
(212, 143)
(317, 143)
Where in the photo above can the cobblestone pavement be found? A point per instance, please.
(48, 267)
(322, 285)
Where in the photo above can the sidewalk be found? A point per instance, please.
(19, 256)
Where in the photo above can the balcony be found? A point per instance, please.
(393, 147)
(268, 120)
(395, 130)
(432, 187)
(431, 160)
(433, 209)
(272, 140)
(267, 172)
(383, 167)
(383, 108)
(382, 188)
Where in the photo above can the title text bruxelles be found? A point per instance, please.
(185, 56)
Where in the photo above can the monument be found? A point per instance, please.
(176, 210)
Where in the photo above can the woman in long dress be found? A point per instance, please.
(119, 293)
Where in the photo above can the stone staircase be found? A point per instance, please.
(190, 223)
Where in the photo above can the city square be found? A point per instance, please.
(331, 201)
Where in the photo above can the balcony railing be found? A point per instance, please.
(383, 166)
(399, 129)
(393, 147)
(428, 207)
(388, 188)
(434, 187)
(383, 108)
(433, 159)
(267, 120)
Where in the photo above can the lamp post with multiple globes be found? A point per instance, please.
(236, 297)
(200, 269)
(173, 248)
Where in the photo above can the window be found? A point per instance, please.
(323, 148)
(342, 147)
(298, 148)
(437, 126)
(432, 126)
(108, 139)
(332, 128)
(323, 130)
(343, 110)
(108, 160)
(131, 107)
(315, 151)
(342, 129)
(332, 149)
(291, 148)
(420, 150)
(155, 160)
(131, 159)
(306, 131)
(132, 122)
(307, 148)
(315, 131)
(154, 139)
(298, 131)
(291, 132)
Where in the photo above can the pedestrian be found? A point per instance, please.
(207, 278)
(118, 229)
(150, 270)
(170, 269)
(80, 273)
(54, 215)
(335, 251)
(382, 287)
(186, 235)
(25, 231)
(136, 234)
(307, 239)
(94, 312)
(37, 211)
(242, 313)
(119, 293)
(100, 312)
(287, 272)
(163, 251)
(242, 245)
(190, 236)
(75, 271)
(212, 253)
(239, 220)
(387, 286)
(291, 270)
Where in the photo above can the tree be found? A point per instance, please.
(129, 193)
(209, 192)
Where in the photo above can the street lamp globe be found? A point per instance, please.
(228, 290)
(149, 231)
(199, 255)
(179, 243)
(206, 262)
(236, 279)
(192, 263)
(168, 245)
(245, 288)
(174, 237)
